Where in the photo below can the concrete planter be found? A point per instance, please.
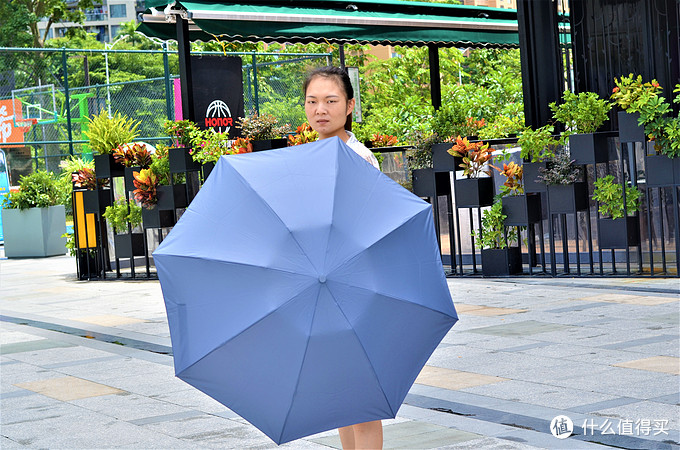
(34, 232)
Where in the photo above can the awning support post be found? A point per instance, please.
(435, 82)
(186, 82)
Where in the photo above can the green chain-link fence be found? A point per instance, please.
(46, 96)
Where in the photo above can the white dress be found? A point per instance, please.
(361, 150)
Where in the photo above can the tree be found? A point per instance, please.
(54, 11)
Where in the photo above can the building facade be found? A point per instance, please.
(104, 19)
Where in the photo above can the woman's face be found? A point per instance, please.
(327, 107)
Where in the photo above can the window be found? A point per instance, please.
(117, 11)
(114, 30)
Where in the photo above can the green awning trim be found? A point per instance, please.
(339, 21)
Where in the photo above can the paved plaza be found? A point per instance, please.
(88, 365)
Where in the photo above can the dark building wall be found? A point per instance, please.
(617, 37)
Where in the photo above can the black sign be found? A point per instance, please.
(217, 92)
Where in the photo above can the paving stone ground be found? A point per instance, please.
(86, 365)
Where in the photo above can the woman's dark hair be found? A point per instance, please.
(331, 72)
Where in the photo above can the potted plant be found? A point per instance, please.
(519, 208)
(614, 232)
(181, 133)
(473, 191)
(662, 164)
(498, 259)
(304, 134)
(583, 114)
(34, 217)
(625, 94)
(133, 157)
(264, 131)
(105, 134)
(536, 146)
(207, 147)
(158, 198)
(442, 159)
(125, 216)
(85, 184)
(420, 161)
(567, 193)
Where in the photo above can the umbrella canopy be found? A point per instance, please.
(341, 21)
(304, 289)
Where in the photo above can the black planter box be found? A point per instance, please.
(129, 245)
(207, 168)
(106, 167)
(88, 264)
(96, 201)
(129, 177)
(522, 209)
(269, 144)
(474, 192)
(588, 148)
(442, 161)
(157, 218)
(530, 173)
(629, 129)
(428, 183)
(568, 198)
(662, 170)
(501, 261)
(619, 233)
(171, 197)
(181, 161)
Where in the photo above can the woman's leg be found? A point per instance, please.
(367, 435)
(347, 437)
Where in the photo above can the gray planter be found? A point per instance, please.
(34, 232)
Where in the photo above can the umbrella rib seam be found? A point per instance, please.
(403, 300)
(350, 258)
(302, 364)
(241, 264)
(365, 353)
(365, 205)
(250, 186)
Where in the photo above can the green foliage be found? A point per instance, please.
(74, 164)
(537, 145)
(629, 90)
(610, 197)
(40, 189)
(503, 126)
(70, 243)
(582, 113)
(54, 11)
(262, 127)
(123, 212)
(655, 115)
(491, 231)
(560, 169)
(180, 131)
(106, 133)
(208, 145)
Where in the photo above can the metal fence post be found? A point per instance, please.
(67, 100)
(255, 88)
(168, 89)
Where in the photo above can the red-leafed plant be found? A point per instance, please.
(383, 140)
(475, 156)
(146, 183)
(130, 155)
(241, 145)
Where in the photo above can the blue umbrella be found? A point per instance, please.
(304, 289)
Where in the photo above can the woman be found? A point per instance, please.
(329, 99)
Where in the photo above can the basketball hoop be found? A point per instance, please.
(25, 124)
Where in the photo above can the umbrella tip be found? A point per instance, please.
(322, 278)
